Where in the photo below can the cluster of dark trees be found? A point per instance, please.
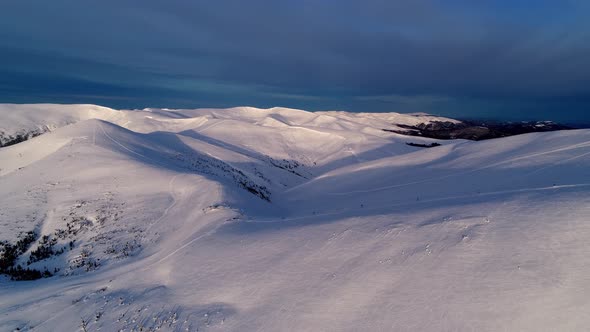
(19, 273)
(11, 252)
(431, 145)
(476, 131)
(45, 249)
(17, 138)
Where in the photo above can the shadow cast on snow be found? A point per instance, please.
(415, 192)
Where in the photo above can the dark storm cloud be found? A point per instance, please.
(506, 59)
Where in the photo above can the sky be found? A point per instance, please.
(503, 59)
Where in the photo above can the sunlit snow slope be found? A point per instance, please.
(278, 219)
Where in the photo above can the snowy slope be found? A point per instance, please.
(283, 220)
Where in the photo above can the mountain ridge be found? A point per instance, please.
(145, 221)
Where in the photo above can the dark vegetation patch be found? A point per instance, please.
(10, 253)
(216, 167)
(431, 145)
(15, 264)
(46, 249)
(476, 131)
(7, 140)
(291, 166)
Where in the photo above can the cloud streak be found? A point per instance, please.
(373, 55)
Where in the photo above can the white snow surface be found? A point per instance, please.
(248, 219)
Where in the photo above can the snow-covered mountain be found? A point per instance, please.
(278, 219)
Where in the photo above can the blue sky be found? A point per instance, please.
(472, 59)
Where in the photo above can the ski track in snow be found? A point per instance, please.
(576, 146)
(123, 146)
(177, 250)
(420, 202)
(172, 204)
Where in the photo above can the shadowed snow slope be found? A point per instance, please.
(277, 219)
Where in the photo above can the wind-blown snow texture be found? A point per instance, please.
(247, 219)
